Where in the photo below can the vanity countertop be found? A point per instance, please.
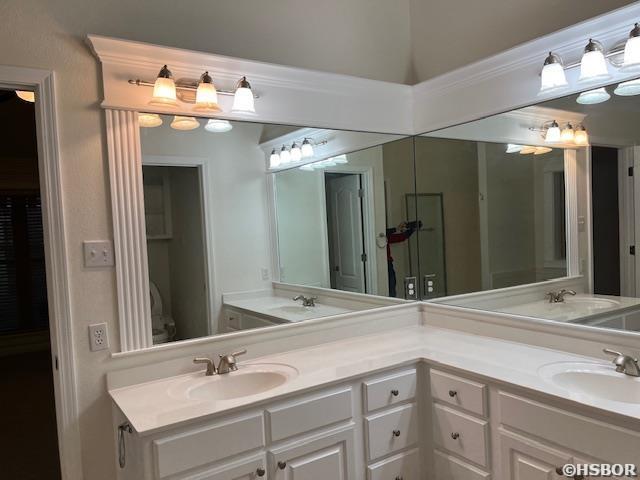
(153, 406)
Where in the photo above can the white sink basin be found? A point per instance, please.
(571, 309)
(248, 380)
(595, 380)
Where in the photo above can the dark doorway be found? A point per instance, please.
(28, 417)
(606, 238)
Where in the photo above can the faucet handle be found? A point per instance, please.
(612, 352)
(239, 352)
(211, 368)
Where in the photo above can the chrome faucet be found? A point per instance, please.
(558, 297)
(306, 301)
(227, 363)
(624, 363)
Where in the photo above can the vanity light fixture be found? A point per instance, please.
(216, 125)
(149, 120)
(567, 133)
(243, 101)
(527, 149)
(552, 77)
(553, 133)
(307, 148)
(207, 95)
(593, 66)
(285, 156)
(296, 152)
(628, 89)
(581, 137)
(184, 123)
(513, 148)
(274, 159)
(26, 95)
(542, 150)
(632, 50)
(592, 97)
(164, 89)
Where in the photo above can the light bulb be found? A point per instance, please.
(552, 77)
(593, 66)
(243, 101)
(274, 159)
(285, 156)
(553, 133)
(307, 149)
(581, 137)
(567, 133)
(513, 148)
(215, 125)
(184, 123)
(164, 90)
(592, 97)
(527, 149)
(26, 95)
(542, 150)
(632, 50)
(628, 89)
(149, 120)
(206, 95)
(296, 153)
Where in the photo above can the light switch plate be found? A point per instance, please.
(98, 337)
(98, 253)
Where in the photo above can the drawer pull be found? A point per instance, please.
(282, 465)
(399, 477)
(396, 433)
(395, 393)
(455, 435)
(260, 472)
(452, 393)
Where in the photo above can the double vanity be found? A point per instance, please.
(425, 402)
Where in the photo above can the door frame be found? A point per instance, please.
(42, 82)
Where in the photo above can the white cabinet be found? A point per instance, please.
(526, 459)
(254, 468)
(234, 320)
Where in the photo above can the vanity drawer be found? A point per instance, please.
(448, 467)
(389, 390)
(461, 434)
(309, 413)
(405, 466)
(392, 430)
(249, 322)
(197, 447)
(462, 393)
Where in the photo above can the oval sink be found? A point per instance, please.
(594, 380)
(246, 381)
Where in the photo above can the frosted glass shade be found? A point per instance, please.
(542, 150)
(26, 95)
(628, 89)
(581, 137)
(553, 134)
(592, 97)
(243, 101)
(593, 67)
(632, 54)
(285, 156)
(567, 133)
(527, 149)
(184, 123)
(164, 92)
(513, 148)
(149, 120)
(215, 125)
(296, 153)
(552, 77)
(307, 149)
(207, 98)
(274, 159)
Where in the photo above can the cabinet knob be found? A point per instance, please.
(399, 477)
(452, 393)
(559, 471)
(396, 433)
(395, 393)
(260, 472)
(282, 465)
(455, 435)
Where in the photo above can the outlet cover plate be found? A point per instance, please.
(98, 337)
(98, 253)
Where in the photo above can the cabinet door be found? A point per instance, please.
(252, 468)
(526, 459)
(320, 457)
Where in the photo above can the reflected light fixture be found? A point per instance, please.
(184, 123)
(274, 159)
(285, 156)
(567, 133)
(243, 101)
(593, 66)
(513, 148)
(206, 95)
(553, 133)
(307, 168)
(26, 95)
(307, 148)
(164, 89)
(149, 120)
(592, 97)
(632, 50)
(542, 150)
(296, 153)
(527, 149)
(552, 77)
(581, 137)
(215, 125)
(628, 89)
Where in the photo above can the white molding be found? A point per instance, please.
(571, 213)
(129, 230)
(57, 269)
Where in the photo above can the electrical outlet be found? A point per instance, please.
(98, 337)
(264, 273)
(98, 253)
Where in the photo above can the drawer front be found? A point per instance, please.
(461, 434)
(462, 393)
(405, 466)
(583, 434)
(448, 467)
(392, 430)
(198, 447)
(233, 318)
(249, 322)
(387, 391)
(310, 413)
